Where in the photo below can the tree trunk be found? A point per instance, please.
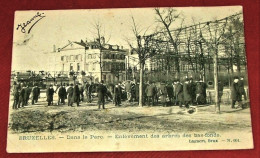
(203, 62)
(217, 105)
(100, 65)
(177, 61)
(231, 64)
(141, 85)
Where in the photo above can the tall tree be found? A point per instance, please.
(99, 33)
(215, 30)
(167, 17)
(145, 48)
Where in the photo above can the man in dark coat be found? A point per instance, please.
(117, 94)
(70, 95)
(179, 93)
(128, 90)
(22, 99)
(187, 91)
(76, 94)
(101, 90)
(200, 92)
(133, 91)
(163, 93)
(156, 95)
(27, 94)
(242, 87)
(16, 90)
(150, 94)
(88, 90)
(35, 94)
(81, 91)
(174, 85)
(193, 90)
(220, 90)
(170, 93)
(62, 95)
(235, 93)
(49, 94)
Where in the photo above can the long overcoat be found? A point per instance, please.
(76, 94)
(187, 92)
(101, 90)
(179, 92)
(49, 94)
(235, 92)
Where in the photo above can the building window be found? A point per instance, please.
(105, 56)
(109, 78)
(76, 57)
(71, 67)
(109, 66)
(89, 56)
(104, 66)
(118, 66)
(104, 77)
(62, 58)
(123, 66)
(71, 57)
(112, 66)
(78, 67)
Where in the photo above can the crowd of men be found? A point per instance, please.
(182, 94)
(176, 93)
(22, 93)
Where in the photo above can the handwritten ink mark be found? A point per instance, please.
(24, 25)
(34, 24)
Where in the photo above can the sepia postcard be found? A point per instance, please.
(136, 79)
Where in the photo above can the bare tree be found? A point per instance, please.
(167, 17)
(215, 31)
(233, 43)
(145, 48)
(99, 33)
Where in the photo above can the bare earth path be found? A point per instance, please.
(128, 118)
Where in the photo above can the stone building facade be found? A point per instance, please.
(87, 59)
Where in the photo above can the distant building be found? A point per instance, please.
(84, 58)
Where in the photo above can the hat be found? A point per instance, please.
(236, 77)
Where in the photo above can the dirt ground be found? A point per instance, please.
(129, 118)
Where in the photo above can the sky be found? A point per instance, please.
(58, 27)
